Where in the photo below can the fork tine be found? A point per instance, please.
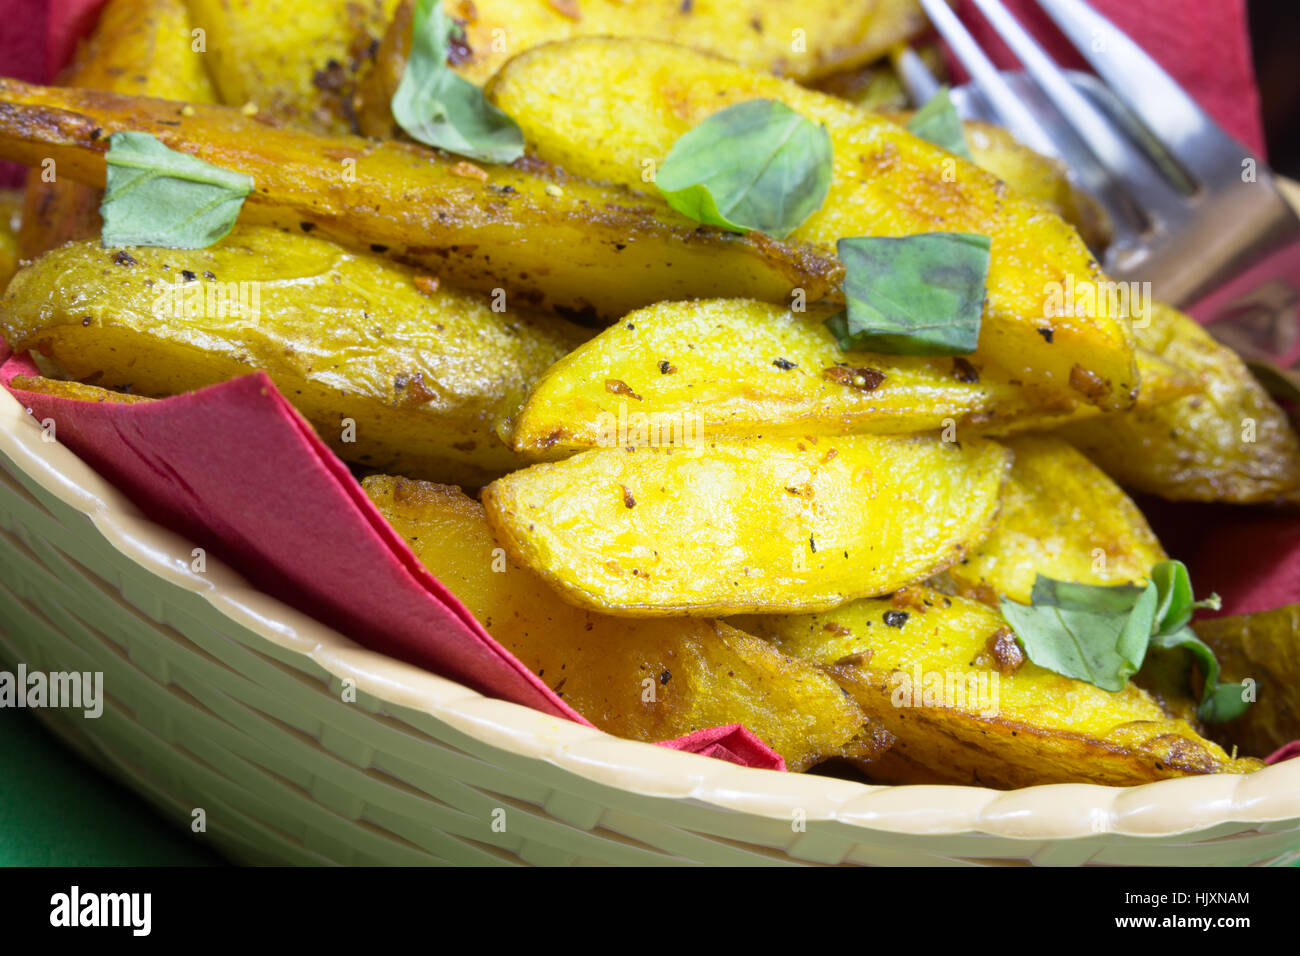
(1148, 91)
(1010, 111)
(1161, 202)
(917, 79)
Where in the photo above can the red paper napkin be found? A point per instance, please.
(236, 470)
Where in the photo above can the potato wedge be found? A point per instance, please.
(802, 41)
(886, 182)
(295, 60)
(142, 47)
(76, 391)
(1264, 647)
(767, 525)
(1228, 443)
(738, 368)
(422, 375)
(947, 679)
(1060, 517)
(547, 240)
(643, 679)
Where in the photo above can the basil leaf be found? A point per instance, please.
(438, 107)
(1102, 635)
(756, 165)
(1103, 647)
(1219, 702)
(155, 196)
(1176, 601)
(938, 122)
(913, 295)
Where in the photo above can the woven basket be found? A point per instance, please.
(221, 698)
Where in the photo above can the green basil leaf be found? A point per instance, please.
(1103, 635)
(913, 295)
(1219, 702)
(756, 165)
(1103, 646)
(1176, 600)
(938, 122)
(438, 107)
(155, 196)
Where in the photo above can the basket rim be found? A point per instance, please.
(1164, 808)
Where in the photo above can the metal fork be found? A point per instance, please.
(1193, 211)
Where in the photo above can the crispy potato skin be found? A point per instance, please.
(296, 60)
(886, 182)
(767, 525)
(836, 35)
(1042, 727)
(344, 336)
(1061, 517)
(590, 249)
(75, 391)
(138, 46)
(738, 368)
(1193, 449)
(644, 679)
(1264, 647)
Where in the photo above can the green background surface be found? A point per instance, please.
(58, 810)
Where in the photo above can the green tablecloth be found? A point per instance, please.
(57, 810)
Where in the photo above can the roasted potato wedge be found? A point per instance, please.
(643, 679)
(767, 525)
(740, 368)
(802, 41)
(1264, 647)
(886, 182)
(423, 375)
(76, 391)
(296, 61)
(1061, 517)
(947, 679)
(588, 249)
(1230, 442)
(142, 47)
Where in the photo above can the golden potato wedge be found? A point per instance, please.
(77, 391)
(1263, 647)
(886, 182)
(802, 40)
(877, 87)
(422, 375)
(143, 47)
(295, 60)
(766, 525)
(549, 241)
(643, 679)
(1229, 443)
(738, 368)
(1060, 517)
(947, 679)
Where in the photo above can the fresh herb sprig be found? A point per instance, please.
(937, 121)
(1102, 634)
(156, 196)
(912, 295)
(756, 165)
(438, 107)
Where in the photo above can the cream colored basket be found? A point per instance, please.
(222, 699)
